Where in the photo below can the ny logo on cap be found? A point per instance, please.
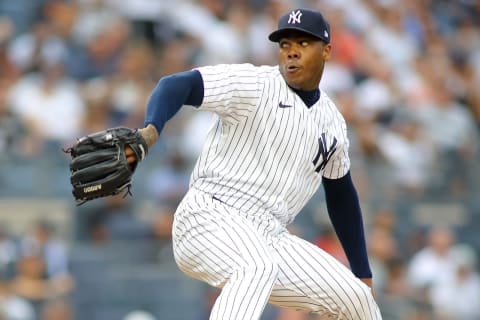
(294, 17)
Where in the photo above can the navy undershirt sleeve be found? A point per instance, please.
(170, 94)
(346, 216)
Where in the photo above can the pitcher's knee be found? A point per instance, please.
(267, 270)
(364, 306)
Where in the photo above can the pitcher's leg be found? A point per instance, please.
(245, 294)
(312, 280)
(226, 251)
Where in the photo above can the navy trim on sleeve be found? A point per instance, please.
(346, 216)
(170, 94)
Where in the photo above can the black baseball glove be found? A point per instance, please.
(99, 166)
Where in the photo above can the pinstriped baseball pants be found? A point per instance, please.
(256, 261)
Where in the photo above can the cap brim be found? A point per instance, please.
(280, 33)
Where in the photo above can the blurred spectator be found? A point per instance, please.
(347, 38)
(385, 219)
(337, 79)
(456, 142)
(31, 284)
(197, 126)
(375, 95)
(92, 17)
(162, 231)
(260, 25)
(145, 16)
(409, 153)
(394, 297)
(434, 261)
(110, 219)
(9, 254)
(457, 296)
(29, 51)
(98, 108)
(43, 242)
(62, 16)
(121, 222)
(328, 241)
(12, 306)
(49, 103)
(389, 38)
(162, 224)
(13, 134)
(181, 53)
(433, 264)
(222, 43)
(23, 13)
(382, 248)
(8, 72)
(131, 84)
(57, 309)
(100, 55)
(169, 183)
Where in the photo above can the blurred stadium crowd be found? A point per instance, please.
(405, 74)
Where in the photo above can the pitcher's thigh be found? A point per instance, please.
(213, 246)
(312, 280)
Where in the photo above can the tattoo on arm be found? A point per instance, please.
(150, 134)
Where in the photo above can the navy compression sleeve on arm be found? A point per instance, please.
(346, 216)
(171, 92)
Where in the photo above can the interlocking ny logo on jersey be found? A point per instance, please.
(325, 152)
(295, 17)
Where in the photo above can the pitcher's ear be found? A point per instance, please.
(327, 50)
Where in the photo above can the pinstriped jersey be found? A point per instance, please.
(268, 151)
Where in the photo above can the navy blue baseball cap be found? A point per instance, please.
(303, 20)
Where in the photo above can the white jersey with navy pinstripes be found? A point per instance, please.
(268, 150)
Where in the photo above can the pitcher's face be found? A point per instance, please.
(302, 59)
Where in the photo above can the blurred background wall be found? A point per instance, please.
(405, 74)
